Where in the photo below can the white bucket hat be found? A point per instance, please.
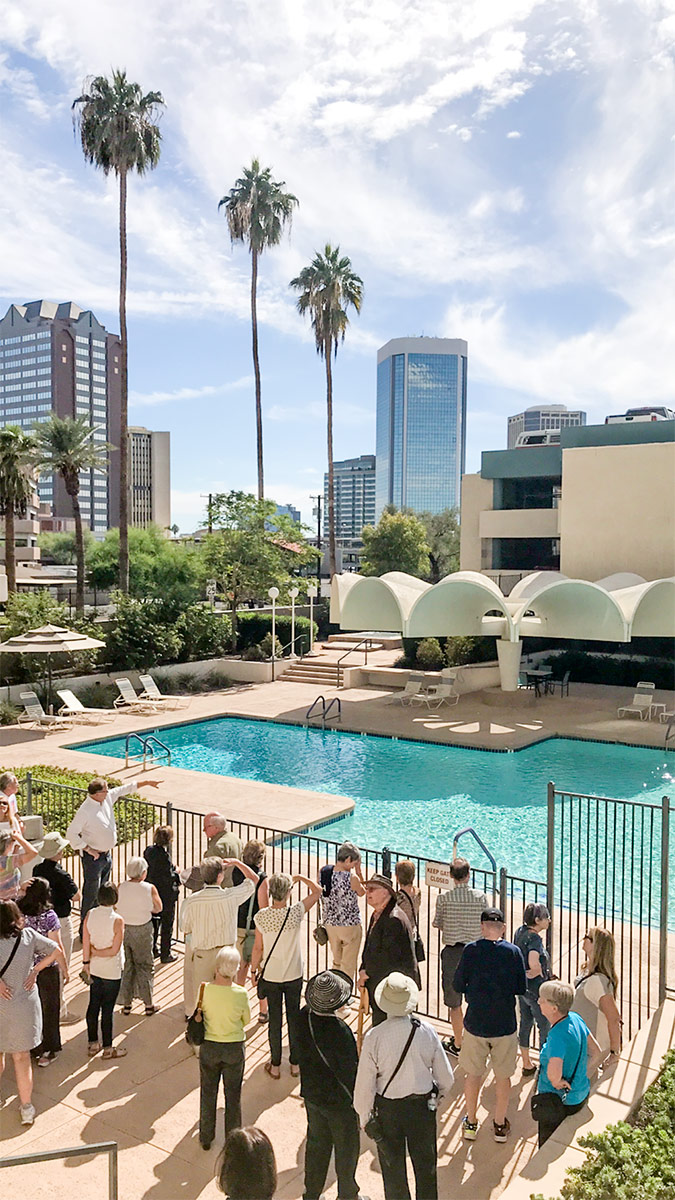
(397, 995)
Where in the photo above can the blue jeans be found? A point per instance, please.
(529, 1013)
(96, 872)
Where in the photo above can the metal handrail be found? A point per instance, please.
(365, 643)
(325, 708)
(126, 746)
(152, 738)
(109, 1148)
(313, 705)
(290, 645)
(326, 711)
(480, 841)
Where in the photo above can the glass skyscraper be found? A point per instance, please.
(421, 423)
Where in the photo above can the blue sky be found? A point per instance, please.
(497, 170)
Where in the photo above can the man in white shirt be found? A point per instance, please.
(404, 1090)
(93, 833)
(209, 920)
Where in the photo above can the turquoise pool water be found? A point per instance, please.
(414, 796)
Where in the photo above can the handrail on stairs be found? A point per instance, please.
(288, 646)
(364, 644)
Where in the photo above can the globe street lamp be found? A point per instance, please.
(273, 594)
(293, 592)
(312, 592)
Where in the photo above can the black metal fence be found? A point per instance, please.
(607, 864)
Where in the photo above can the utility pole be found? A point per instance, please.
(317, 514)
(209, 516)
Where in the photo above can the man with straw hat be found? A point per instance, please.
(403, 1074)
(328, 1060)
(64, 892)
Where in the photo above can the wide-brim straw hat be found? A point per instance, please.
(54, 843)
(397, 995)
(328, 991)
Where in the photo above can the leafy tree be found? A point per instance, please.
(328, 287)
(442, 531)
(397, 543)
(141, 636)
(203, 634)
(429, 655)
(158, 568)
(257, 209)
(65, 446)
(61, 548)
(16, 489)
(118, 132)
(251, 549)
(30, 610)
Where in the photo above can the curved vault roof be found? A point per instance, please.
(544, 603)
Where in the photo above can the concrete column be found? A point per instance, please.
(508, 654)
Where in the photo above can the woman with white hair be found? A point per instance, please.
(225, 1013)
(568, 1060)
(277, 963)
(138, 902)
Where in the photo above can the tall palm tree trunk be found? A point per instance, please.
(256, 372)
(124, 395)
(332, 554)
(79, 552)
(10, 551)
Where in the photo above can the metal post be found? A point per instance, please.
(112, 1172)
(169, 812)
(29, 793)
(550, 863)
(663, 915)
(502, 890)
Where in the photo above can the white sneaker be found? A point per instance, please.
(27, 1114)
(69, 1018)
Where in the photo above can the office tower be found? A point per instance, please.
(149, 478)
(288, 510)
(540, 417)
(354, 495)
(421, 423)
(57, 358)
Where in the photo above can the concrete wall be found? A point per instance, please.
(519, 523)
(471, 678)
(476, 499)
(235, 668)
(618, 511)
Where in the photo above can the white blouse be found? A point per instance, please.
(286, 962)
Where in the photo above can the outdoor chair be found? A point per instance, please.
(639, 705)
(128, 699)
(444, 693)
(414, 686)
(645, 685)
(75, 709)
(152, 692)
(563, 684)
(35, 715)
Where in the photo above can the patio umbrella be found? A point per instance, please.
(50, 639)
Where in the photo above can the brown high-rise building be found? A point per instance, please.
(57, 358)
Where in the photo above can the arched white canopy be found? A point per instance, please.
(649, 608)
(459, 605)
(382, 603)
(570, 608)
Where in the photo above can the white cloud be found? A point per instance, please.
(182, 394)
(514, 133)
(344, 414)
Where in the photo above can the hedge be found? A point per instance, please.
(610, 670)
(252, 627)
(58, 808)
(633, 1160)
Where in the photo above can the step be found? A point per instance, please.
(351, 647)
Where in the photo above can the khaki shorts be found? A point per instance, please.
(500, 1052)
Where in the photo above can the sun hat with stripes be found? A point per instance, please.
(327, 991)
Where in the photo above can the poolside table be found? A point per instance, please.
(539, 676)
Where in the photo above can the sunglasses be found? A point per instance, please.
(587, 938)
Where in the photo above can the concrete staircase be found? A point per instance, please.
(321, 671)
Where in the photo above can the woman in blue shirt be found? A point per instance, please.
(568, 1057)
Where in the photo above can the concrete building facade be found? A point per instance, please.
(421, 423)
(354, 495)
(57, 358)
(149, 478)
(542, 417)
(600, 503)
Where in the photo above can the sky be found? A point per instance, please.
(497, 170)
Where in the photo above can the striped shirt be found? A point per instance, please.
(458, 914)
(209, 917)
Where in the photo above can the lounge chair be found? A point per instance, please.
(36, 716)
(152, 692)
(414, 686)
(640, 705)
(444, 693)
(128, 699)
(75, 709)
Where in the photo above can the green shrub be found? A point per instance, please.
(140, 637)
(404, 662)
(635, 1160)
(203, 634)
(254, 653)
(58, 806)
(266, 647)
(462, 650)
(186, 683)
(252, 627)
(9, 713)
(98, 695)
(429, 655)
(610, 670)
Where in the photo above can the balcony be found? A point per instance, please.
(520, 523)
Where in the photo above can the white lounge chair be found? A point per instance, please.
(152, 692)
(414, 687)
(36, 716)
(640, 706)
(444, 693)
(128, 699)
(75, 709)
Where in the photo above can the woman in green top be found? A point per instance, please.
(226, 1014)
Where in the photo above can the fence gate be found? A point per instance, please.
(607, 865)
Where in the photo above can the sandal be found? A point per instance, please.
(270, 1070)
(150, 1009)
(93, 1049)
(126, 1010)
(115, 1052)
(263, 1018)
(295, 1070)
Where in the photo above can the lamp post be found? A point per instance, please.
(293, 592)
(312, 592)
(273, 594)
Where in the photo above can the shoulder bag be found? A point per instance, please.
(195, 1032)
(249, 932)
(326, 1063)
(15, 947)
(373, 1126)
(261, 985)
(549, 1106)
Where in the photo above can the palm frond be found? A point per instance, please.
(327, 288)
(118, 124)
(257, 209)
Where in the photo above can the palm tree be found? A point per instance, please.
(65, 446)
(256, 210)
(16, 488)
(119, 134)
(328, 287)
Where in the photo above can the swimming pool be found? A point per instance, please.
(416, 795)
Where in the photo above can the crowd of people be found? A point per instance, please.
(235, 919)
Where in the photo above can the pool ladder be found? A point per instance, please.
(326, 709)
(148, 743)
